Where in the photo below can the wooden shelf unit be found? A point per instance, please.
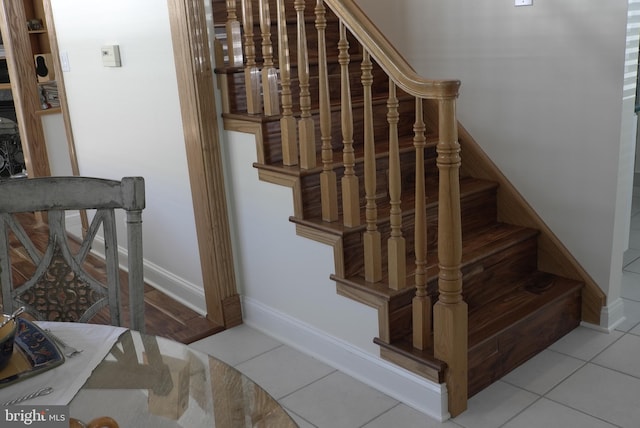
(21, 44)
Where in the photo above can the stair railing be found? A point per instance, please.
(450, 311)
(449, 336)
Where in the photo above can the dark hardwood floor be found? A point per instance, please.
(164, 316)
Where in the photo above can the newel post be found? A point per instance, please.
(450, 316)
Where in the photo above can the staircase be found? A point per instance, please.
(468, 282)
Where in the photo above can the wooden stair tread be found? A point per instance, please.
(420, 361)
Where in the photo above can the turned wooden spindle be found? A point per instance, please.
(269, 72)
(328, 180)
(288, 130)
(421, 304)
(251, 71)
(234, 35)
(350, 192)
(396, 242)
(306, 127)
(372, 239)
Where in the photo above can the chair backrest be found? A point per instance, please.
(65, 281)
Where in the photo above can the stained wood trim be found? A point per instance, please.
(23, 86)
(195, 85)
(553, 256)
(62, 94)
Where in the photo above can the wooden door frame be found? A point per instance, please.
(195, 78)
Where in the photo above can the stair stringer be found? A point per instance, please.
(553, 256)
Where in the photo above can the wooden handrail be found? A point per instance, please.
(387, 56)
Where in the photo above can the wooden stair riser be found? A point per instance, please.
(495, 276)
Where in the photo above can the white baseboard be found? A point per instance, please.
(412, 390)
(611, 317)
(177, 288)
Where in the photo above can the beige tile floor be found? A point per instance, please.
(587, 379)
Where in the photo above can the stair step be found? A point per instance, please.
(504, 333)
(469, 187)
(509, 236)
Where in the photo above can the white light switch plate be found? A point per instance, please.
(524, 2)
(64, 61)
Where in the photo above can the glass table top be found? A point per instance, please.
(147, 381)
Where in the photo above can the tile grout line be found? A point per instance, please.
(307, 385)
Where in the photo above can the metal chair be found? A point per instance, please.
(64, 286)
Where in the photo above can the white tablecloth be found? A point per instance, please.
(95, 341)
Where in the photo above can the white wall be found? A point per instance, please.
(287, 273)
(126, 121)
(542, 94)
(57, 147)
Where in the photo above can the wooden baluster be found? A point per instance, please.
(421, 304)
(269, 73)
(288, 131)
(350, 192)
(306, 127)
(450, 316)
(218, 52)
(328, 181)
(396, 243)
(372, 240)
(251, 72)
(234, 35)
